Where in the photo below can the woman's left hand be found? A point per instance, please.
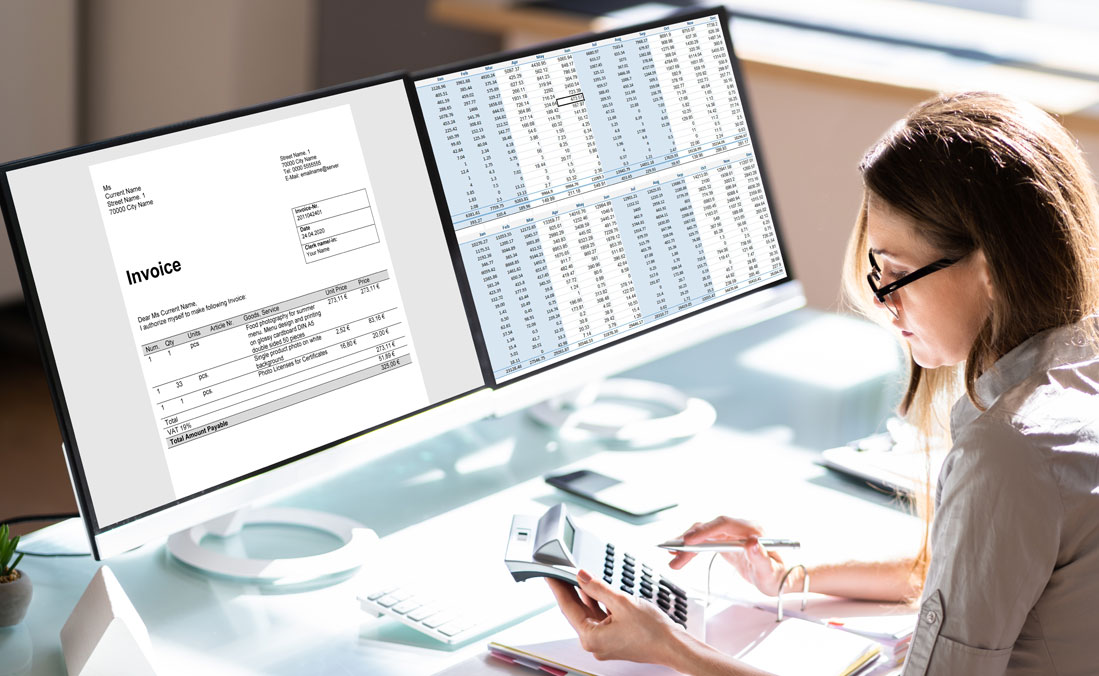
(622, 629)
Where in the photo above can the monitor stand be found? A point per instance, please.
(357, 542)
(628, 411)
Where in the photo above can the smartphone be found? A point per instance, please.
(610, 492)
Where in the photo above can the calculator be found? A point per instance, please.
(553, 545)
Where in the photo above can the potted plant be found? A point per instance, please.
(15, 586)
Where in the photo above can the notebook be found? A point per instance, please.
(889, 624)
(793, 647)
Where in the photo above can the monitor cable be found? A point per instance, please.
(44, 517)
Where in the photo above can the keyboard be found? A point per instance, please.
(455, 612)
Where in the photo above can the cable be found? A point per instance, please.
(709, 574)
(48, 556)
(40, 517)
(43, 517)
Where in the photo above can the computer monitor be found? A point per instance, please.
(608, 200)
(223, 304)
(218, 301)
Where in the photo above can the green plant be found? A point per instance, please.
(7, 550)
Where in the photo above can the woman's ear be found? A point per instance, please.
(984, 277)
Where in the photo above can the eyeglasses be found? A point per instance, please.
(883, 294)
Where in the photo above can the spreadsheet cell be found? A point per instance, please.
(600, 188)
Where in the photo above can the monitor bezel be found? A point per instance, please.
(419, 77)
(38, 323)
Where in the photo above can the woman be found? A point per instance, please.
(977, 239)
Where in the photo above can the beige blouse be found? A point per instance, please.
(1013, 585)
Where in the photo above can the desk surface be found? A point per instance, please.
(756, 463)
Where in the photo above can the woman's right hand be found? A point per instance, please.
(762, 568)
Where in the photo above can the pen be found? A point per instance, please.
(677, 545)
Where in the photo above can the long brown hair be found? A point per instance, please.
(980, 171)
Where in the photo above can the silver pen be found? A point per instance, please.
(677, 545)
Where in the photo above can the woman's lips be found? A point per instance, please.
(906, 334)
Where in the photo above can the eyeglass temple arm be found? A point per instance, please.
(918, 274)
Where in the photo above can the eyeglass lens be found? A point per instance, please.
(875, 283)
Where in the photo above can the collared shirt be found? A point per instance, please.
(1013, 583)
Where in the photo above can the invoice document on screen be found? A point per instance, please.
(260, 292)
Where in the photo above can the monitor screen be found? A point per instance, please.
(220, 299)
(600, 188)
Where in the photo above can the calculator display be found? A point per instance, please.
(570, 533)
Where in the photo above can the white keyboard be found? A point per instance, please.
(456, 613)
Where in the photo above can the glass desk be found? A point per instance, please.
(783, 390)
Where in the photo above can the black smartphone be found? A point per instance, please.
(610, 492)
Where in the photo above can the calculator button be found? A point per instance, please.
(680, 615)
(673, 588)
(608, 579)
(627, 575)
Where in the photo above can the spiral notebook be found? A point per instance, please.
(793, 647)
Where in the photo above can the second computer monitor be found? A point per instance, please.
(600, 188)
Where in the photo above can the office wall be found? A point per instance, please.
(357, 39)
(813, 130)
(38, 90)
(152, 63)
